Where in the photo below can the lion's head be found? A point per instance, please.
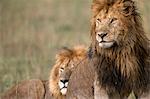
(66, 60)
(116, 23)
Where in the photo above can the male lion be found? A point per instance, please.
(56, 86)
(66, 61)
(119, 61)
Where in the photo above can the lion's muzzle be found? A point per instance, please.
(63, 84)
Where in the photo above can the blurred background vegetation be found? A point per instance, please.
(32, 31)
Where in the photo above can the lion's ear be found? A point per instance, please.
(127, 7)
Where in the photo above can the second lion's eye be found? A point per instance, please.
(61, 69)
(113, 20)
(98, 21)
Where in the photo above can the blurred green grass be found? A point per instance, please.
(32, 31)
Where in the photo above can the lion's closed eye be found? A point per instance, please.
(112, 20)
(61, 70)
(98, 21)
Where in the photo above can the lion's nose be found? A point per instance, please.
(102, 34)
(64, 81)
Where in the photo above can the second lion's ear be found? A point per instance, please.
(127, 7)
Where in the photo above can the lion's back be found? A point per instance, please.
(29, 89)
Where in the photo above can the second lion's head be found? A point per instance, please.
(66, 60)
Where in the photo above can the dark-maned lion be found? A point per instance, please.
(119, 61)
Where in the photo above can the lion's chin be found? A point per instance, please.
(106, 44)
(63, 91)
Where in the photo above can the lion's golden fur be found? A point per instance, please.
(124, 67)
(29, 89)
(64, 59)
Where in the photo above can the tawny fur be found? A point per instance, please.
(121, 69)
(66, 58)
(29, 89)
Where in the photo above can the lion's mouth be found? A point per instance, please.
(63, 91)
(63, 87)
(105, 41)
(106, 44)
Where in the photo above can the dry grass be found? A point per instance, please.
(32, 31)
